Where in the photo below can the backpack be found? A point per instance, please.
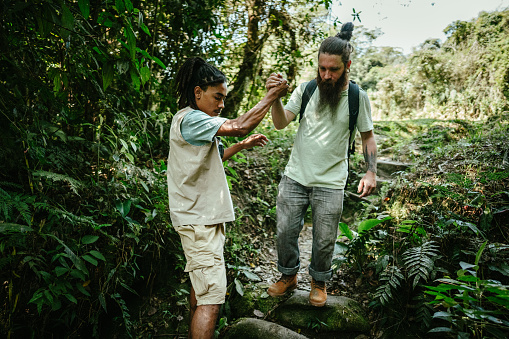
(353, 110)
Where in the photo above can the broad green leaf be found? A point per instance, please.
(251, 276)
(102, 301)
(131, 40)
(159, 62)
(130, 157)
(239, 287)
(133, 145)
(366, 225)
(82, 289)
(78, 275)
(67, 22)
(59, 270)
(119, 4)
(144, 186)
(441, 329)
(135, 78)
(128, 288)
(144, 28)
(345, 230)
(98, 255)
(108, 73)
(129, 5)
(89, 239)
(123, 207)
(84, 8)
(71, 298)
(145, 74)
(90, 259)
(124, 143)
(479, 253)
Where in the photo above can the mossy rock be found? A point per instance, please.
(255, 298)
(339, 315)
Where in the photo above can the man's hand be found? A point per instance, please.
(254, 140)
(367, 184)
(276, 80)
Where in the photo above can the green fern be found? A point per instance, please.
(10, 201)
(65, 215)
(423, 312)
(420, 262)
(73, 183)
(391, 280)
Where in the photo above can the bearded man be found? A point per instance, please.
(317, 170)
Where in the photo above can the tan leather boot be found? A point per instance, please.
(285, 284)
(318, 294)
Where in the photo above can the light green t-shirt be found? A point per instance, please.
(319, 156)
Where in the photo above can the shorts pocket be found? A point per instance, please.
(196, 268)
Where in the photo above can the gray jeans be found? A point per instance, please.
(293, 200)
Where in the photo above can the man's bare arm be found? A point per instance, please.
(368, 183)
(247, 122)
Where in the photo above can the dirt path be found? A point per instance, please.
(268, 260)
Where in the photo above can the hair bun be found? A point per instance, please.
(346, 31)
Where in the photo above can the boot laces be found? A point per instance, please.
(318, 284)
(286, 278)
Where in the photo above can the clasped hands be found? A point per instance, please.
(277, 81)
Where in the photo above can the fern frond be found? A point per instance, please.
(65, 215)
(391, 279)
(420, 261)
(73, 183)
(5, 205)
(20, 202)
(424, 312)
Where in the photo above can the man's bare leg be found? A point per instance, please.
(202, 319)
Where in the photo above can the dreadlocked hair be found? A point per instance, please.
(339, 44)
(195, 72)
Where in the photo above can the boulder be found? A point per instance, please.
(386, 168)
(339, 315)
(249, 328)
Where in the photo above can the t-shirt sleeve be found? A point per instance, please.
(364, 120)
(199, 128)
(293, 105)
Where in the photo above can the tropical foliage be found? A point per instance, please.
(86, 99)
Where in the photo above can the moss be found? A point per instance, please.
(253, 299)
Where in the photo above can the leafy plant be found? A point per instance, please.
(473, 306)
(357, 249)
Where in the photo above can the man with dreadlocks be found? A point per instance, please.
(317, 170)
(199, 197)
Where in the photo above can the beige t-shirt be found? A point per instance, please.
(197, 188)
(320, 152)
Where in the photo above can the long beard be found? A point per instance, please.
(330, 94)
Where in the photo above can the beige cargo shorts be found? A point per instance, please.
(203, 247)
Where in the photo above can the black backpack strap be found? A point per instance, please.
(353, 113)
(353, 108)
(308, 92)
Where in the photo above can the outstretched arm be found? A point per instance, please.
(280, 117)
(368, 183)
(251, 141)
(247, 122)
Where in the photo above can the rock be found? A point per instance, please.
(385, 168)
(339, 315)
(249, 328)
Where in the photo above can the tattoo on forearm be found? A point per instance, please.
(370, 159)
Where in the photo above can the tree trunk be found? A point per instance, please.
(247, 69)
